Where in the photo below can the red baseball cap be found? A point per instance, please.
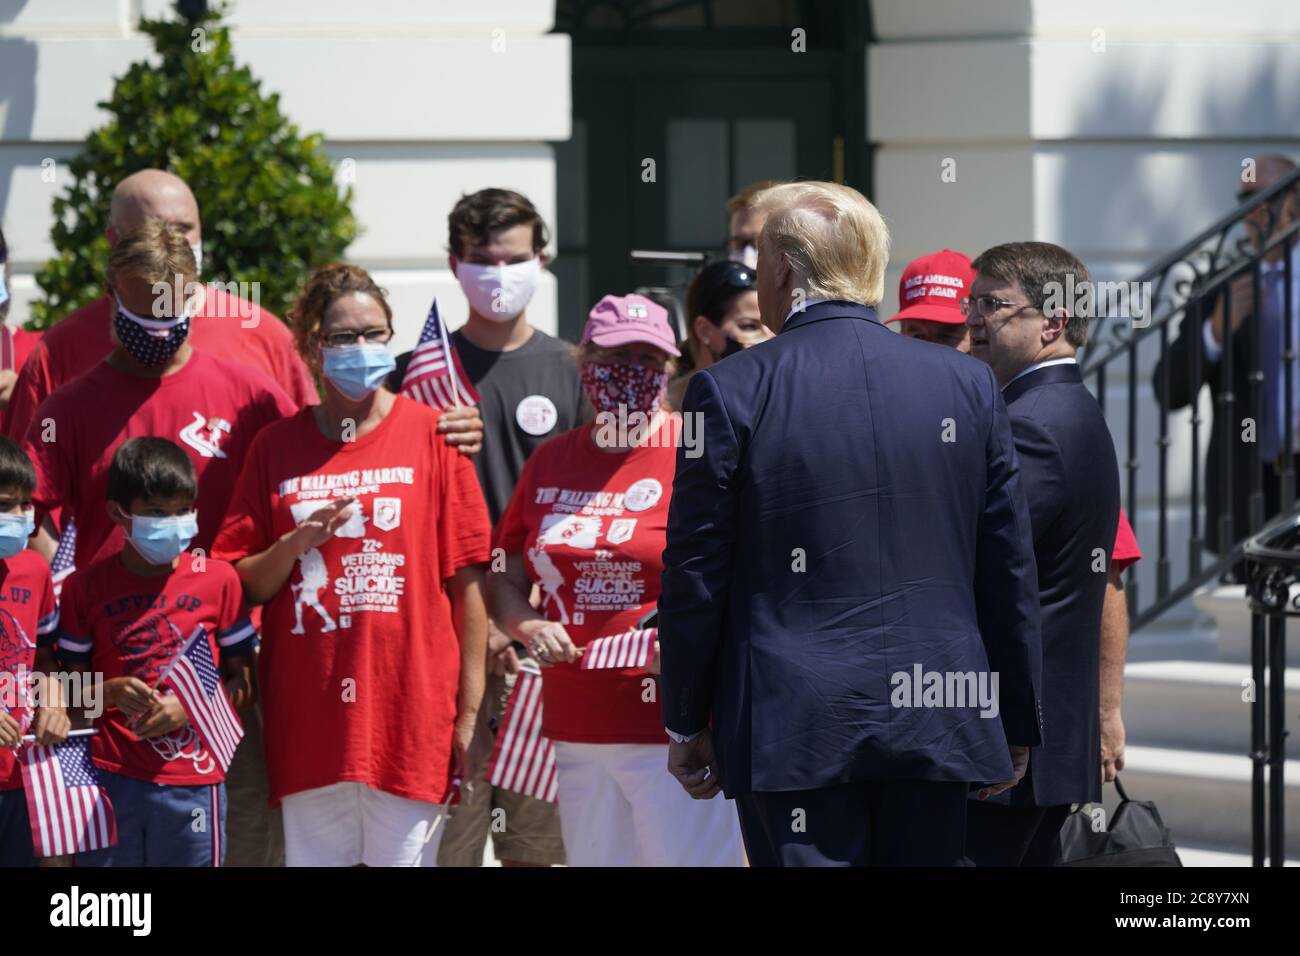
(933, 286)
(622, 319)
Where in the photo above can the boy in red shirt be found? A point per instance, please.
(126, 616)
(28, 618)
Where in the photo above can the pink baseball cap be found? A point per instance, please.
(623, 319)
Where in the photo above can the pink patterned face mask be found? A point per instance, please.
(638, 388)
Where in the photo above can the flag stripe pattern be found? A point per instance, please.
(522, 759)
(193, 675)
(633, 648)
(69, 809)
(63, 562)
(435, 376)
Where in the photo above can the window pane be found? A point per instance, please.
(765, 149)
(696, 181)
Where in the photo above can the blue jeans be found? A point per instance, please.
(15, 829)
(161, 824)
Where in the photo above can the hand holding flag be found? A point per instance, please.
(69, 809)
(193, 675)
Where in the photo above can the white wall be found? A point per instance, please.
(411, 91)
(1114, 128)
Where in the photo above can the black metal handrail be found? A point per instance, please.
(1185, 285)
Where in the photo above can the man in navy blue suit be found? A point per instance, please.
(849, 618)
(1028, 315)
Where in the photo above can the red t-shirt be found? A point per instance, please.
(360, 656)
(122, 624)
(211, 408)
(28, 619)
(1126, 550)
(80, 341)
(591, 527)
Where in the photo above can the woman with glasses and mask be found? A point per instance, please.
(365, 536)
(722, 311)
(586, 527)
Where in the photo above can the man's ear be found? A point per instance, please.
(451, 264)
(1057, 319)
(781, 269)
(117, 515)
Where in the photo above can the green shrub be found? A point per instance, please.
(270, 207)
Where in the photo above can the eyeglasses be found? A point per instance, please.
(987, 305)
(339, 340)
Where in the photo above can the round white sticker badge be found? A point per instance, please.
(536, 414)
(643, 494)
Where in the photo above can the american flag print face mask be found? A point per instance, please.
(150, 341)
(635, 387)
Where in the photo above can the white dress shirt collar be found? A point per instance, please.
(1037, 365)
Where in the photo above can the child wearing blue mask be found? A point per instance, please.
(126, 616)
(28, 619)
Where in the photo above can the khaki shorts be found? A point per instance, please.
(524, 830)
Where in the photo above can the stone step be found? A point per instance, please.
(1205, 856)
(1204, 797)
(1197, 705)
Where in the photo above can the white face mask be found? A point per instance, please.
(499, 293)
(197, 249)
(747, 255)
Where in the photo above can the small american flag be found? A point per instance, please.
(632, 648)
(64, 561)
(193, 675)
(69, 809)
(434, 375)
(522, 759)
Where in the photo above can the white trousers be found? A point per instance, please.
(619, 806)
(349, 823)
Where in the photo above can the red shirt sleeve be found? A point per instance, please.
(247, 526)
(235, 632)
(32, 387)
(511, 532)
(75, 639)
(290, 371)
(1126, 550)
(464, 531)
(47, 623)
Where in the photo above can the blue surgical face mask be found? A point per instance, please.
(15, 529)
(161, 540)
(356, 370)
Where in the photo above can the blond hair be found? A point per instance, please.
(159, 253)
(836, 241)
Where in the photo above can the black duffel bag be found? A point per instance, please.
(1136, 836)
